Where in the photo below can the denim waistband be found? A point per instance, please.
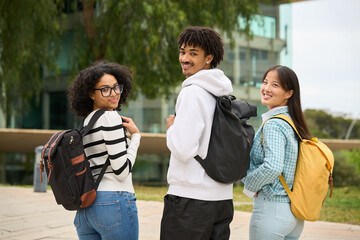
(113, 193)
(277, 198)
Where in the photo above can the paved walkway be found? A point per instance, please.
(27, 215)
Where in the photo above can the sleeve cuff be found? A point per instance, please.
(249, 193)
(136, 136)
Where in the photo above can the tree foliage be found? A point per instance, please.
(26, 31)
(324, 125)
(346, 169)
(141, 34)
(347, 162)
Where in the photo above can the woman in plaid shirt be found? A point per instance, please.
(272, 217)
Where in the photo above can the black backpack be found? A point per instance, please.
(228, 156)
(67, 168)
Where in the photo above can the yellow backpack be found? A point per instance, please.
(312, 177)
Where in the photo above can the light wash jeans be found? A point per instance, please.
(112, 216)
(273, 221)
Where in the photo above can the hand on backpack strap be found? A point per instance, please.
(130, 125)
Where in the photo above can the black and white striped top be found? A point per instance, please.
(107, 139)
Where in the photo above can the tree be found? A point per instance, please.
(324, 125)
(26, 31)
(141, 34)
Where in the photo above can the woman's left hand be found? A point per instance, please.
(130, 125)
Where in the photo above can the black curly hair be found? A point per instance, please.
(83, 84)
(207, 39)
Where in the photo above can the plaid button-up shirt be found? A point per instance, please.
(278, 155)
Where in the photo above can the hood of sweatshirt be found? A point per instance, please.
(212, 80)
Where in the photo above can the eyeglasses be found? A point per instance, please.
(106, 91)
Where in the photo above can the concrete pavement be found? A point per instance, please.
(29, 215)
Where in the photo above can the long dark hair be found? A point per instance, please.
(289, 81)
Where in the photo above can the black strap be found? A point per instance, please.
(198, 158)
(106, 164)
(84, 130)
(94, 118)
(126, 143)
(127, 146)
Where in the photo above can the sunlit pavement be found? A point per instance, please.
(28, 215)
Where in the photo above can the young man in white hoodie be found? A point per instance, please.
(196, 207)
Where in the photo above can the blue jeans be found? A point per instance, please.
(273, 221)
(113, 215)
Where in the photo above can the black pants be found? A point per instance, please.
(191, 219)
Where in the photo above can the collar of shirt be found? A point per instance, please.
(271, 112)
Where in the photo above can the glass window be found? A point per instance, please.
(251, 72)
(242, 54)
(152, 120)
(58, 110)
(230, 56)
(262, 26)
(32, 119)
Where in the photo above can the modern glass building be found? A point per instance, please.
(246, 63)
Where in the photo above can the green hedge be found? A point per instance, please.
(347, 168)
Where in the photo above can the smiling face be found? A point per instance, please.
(272, 93)
(108, 103)
(192, 59)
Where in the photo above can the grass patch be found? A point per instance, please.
(150, 193)
(342, 207)
(239, 196)
(244, 208)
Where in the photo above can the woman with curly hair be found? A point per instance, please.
(113, 215)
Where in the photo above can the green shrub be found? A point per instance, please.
(353, 157)
(345, 170)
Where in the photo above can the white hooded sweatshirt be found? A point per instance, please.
(190, 135)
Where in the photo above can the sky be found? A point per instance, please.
(326, 54)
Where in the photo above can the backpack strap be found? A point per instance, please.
(103, 169)
(314, 141)
(283, 182)
(291, 123)
(221, 101)
(84, 130)
(127, 146)
(286, 119)
(325, 150)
